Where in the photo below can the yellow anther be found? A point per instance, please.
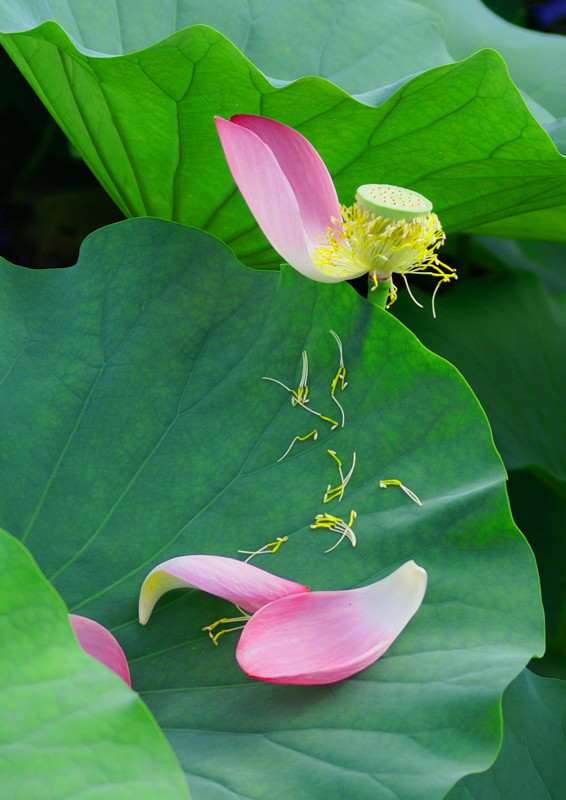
(314, 435)
(326, 419)
(338, 526)
(338, 491)
(270, 547)
(408, 492)
(369, 242)
(335, 457)
(224, 621)
(340, 377)
(299, 396)
(392, 294)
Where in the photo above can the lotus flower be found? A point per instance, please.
(289, 191)
(295, 636)
(101, 645)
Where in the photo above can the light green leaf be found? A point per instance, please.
(286, 39)
(138, 388)
(69, 728)
(459, 134)
(536, 61)
(531, 762)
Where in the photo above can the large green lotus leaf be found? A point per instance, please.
(461, 134)
(69, 727)
(136, 426)
(507, 335)
(536, 61)
(532, 760)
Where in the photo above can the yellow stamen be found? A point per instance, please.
(408, 492)
(338, 526)
(224, 621)
(314, 435)
(339, 377)
(364, 242)
(299, 395)
(338, 491)
(270, 547)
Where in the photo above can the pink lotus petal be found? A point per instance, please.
(100, 644)
(271, 197)
(242, 584)
(305, 170)
(323, 637)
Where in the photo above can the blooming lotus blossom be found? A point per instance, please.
(101, 645)
(289, 191)
(294, 636)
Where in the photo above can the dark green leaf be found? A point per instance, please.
(531, 762)
(138, 389)
(507, 336)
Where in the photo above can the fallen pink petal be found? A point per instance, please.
(236, 581)
(296, 636)
(323, 637)
(99, 643)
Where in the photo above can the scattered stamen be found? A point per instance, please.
(314, 435)
(338, 491)
(224, 621)
(408, 492)
(339, 377)
(299, 395)
(338, 526)
(270, 547)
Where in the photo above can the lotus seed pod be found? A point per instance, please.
(392, 202)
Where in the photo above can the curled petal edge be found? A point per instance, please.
(236, 581)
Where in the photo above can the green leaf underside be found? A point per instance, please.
(460, 134)
(531, 761)
(137, 388)
(69, 728)
(286, 39)
(508, 326)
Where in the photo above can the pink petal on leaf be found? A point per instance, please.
(242, 584)
(100, 644)
(323, 637)
(271, 198)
